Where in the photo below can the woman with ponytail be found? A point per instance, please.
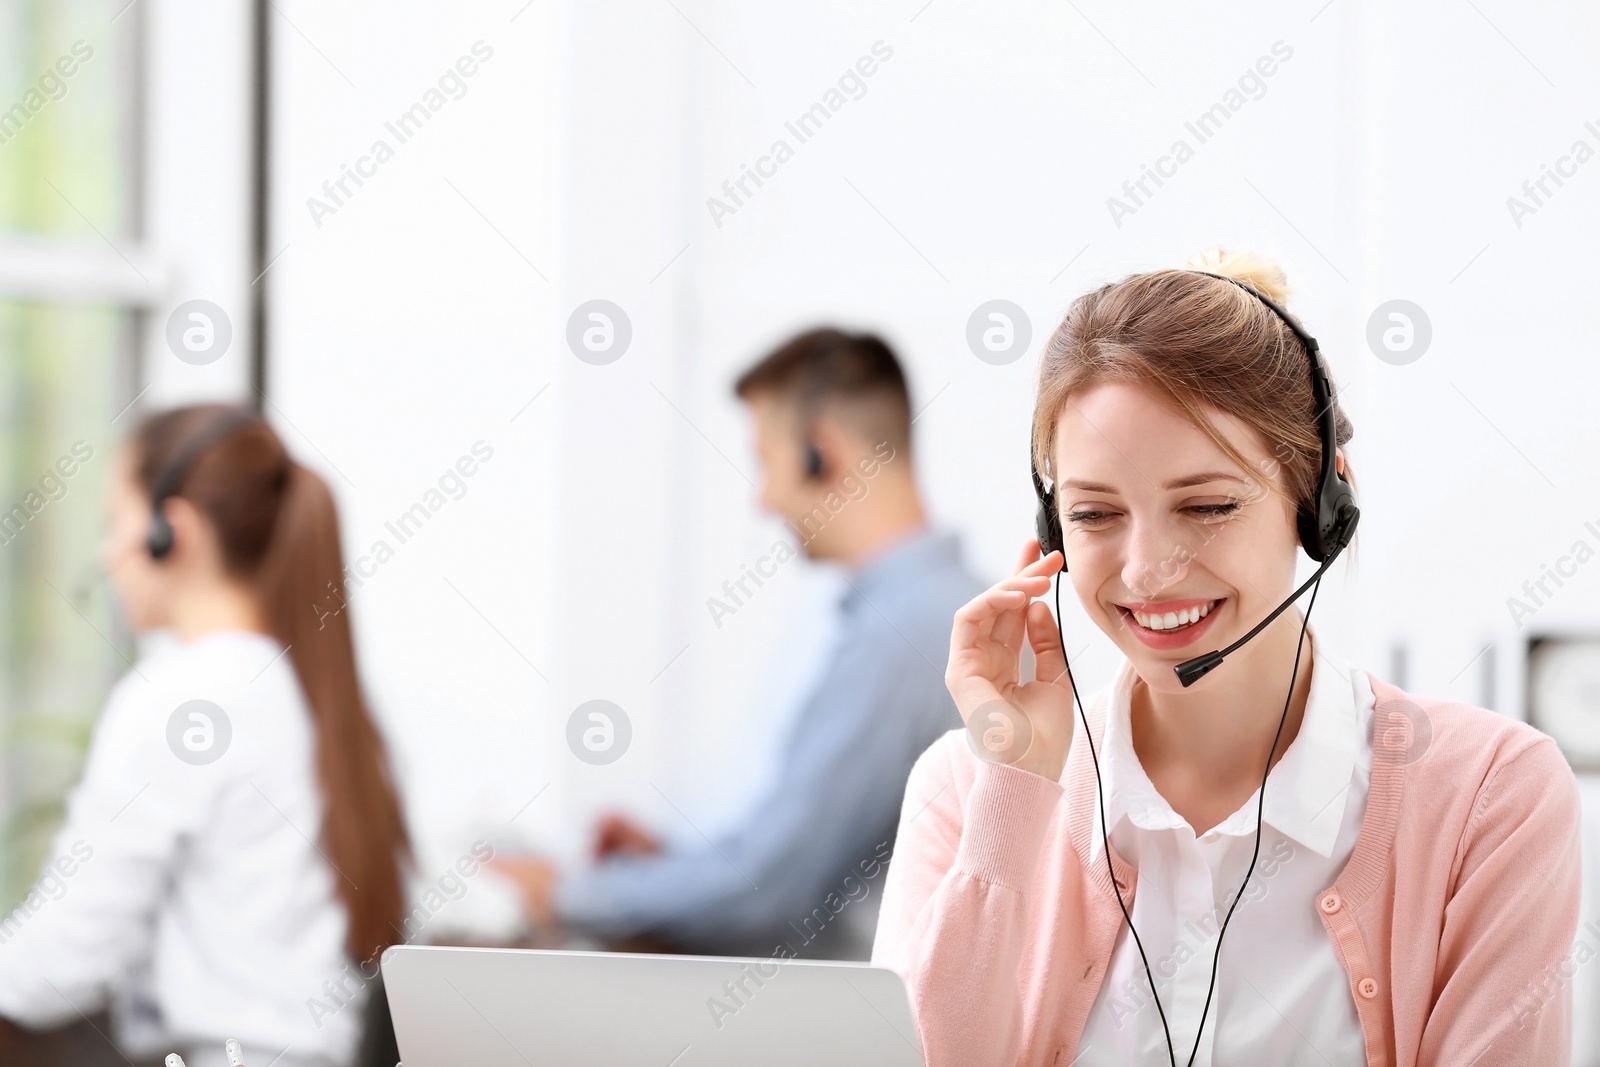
(232, 859)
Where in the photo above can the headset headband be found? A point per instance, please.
(1326, 523)
(1321, 388)
(170, 478)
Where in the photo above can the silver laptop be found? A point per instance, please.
(532, 1008)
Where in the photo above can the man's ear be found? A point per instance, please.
(837, 444)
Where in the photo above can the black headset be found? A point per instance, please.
(813, 459)
(170, 478)
(1325, 529)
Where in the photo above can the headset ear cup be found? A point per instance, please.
(1338, 515)
(1339, 507)
(813, 461)
(160, 540)
(1310, 534)
(1048, 527)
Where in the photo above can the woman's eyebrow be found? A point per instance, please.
(1203, 478)
(1188, 480)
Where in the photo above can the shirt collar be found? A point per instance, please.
(1306, 791)
(903, 561)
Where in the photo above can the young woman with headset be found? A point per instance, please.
(235, 844)
(1397, 876)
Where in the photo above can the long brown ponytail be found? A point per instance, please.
(279, 530)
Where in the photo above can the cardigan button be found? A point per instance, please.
(1367, 988)
(1330, 903)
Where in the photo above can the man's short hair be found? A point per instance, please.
(855, 377)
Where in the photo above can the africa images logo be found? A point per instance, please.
(199, 732)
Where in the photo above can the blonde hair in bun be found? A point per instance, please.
(1257, 271)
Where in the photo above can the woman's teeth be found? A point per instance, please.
(1174, 620)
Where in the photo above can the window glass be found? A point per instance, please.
(67, 128)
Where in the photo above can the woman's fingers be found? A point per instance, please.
(1033, 563)
(1043, 565)
(1033, 579)
(1008, 594)
(986, 653)
(978, 616)
(975, 621)
(1032, 584)
(994, 623)
(1049, 659)
(1030, 553)
(1010, 627)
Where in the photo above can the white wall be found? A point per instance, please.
(425, 313)
(195, 157)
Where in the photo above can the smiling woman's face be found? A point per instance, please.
(1160, 524)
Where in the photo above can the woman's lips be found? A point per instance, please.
(1168, 640)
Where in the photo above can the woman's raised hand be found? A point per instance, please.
(1026, 725)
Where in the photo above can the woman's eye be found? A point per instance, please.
(1215, 510)
(1209, 511)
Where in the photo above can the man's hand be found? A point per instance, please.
(536, 877)
(616, 833)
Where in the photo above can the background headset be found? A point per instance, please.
(1325, 526)
(813, 459)
(171, 476)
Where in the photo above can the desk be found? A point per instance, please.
(85, 1043)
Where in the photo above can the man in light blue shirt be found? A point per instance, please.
(800, 873)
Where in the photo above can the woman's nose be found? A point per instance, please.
(1156, 559)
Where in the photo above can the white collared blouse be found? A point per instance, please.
(1281, 995)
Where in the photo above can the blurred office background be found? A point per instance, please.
(392, 307)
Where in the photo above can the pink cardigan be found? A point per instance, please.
(1454, 917)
